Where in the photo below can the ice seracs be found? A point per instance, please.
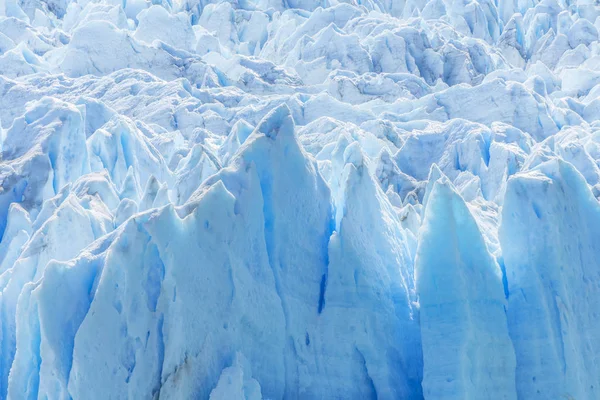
(552, 283)
(299, 199)
(467, 352)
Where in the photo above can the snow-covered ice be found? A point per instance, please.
(300, 199)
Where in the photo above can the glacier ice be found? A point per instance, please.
(299, 199)
(462, 304)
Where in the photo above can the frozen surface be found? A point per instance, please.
(299, 199)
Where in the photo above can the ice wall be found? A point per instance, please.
(299, 199)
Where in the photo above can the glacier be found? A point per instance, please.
(300, 199)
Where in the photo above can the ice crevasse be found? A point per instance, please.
(299, 199)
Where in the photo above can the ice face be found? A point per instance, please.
(299, 199)
(551, 334)
(462, 305)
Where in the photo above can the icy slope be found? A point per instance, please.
(299, 199)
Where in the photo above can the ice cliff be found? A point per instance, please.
(300, 199)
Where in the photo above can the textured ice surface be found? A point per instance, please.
(299, 199)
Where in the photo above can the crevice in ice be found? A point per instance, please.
(536, 210)
(322, 289)
(325, 250)
(52, 159)
(161, 357)
(369, 380)
(16, 196)
(500, 261)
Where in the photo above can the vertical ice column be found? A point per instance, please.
(369, 340)
(467, 353)
(549, 238)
